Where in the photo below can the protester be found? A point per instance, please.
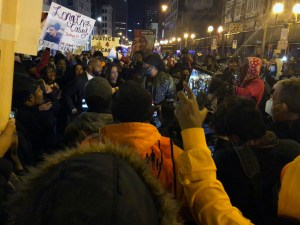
(77, 70)
(251, 85)
(73, 94)
(161, 85)
(98, 95)
(112, 75)
(250, 169)
(284, 107)
(197, 172)
(132, 111)
(36, 124)
(99, 184)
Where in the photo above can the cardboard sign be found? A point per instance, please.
(169, 48)
(282, 45)
(143, 41)
(65, 29)
(105, 44)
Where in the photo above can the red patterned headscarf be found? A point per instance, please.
(254, 68)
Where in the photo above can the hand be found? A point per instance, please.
(7, 137)
(187, 111)
(45, 107)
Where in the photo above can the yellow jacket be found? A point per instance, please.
(206, 196)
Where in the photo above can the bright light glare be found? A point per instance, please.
(178, 39)
(220, 29)
(210, 29)
(186, 35)
(193, 36)
(164, 8)
(278, 8)
(99, 19)
(296, 8)
(284, 58)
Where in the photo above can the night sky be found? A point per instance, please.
(136, 12)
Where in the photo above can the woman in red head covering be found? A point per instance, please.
(251, 84)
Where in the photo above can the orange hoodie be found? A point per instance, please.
(150, 145)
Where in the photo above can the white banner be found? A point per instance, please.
(65, 29)
(104, 44)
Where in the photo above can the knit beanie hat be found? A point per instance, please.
(132, 103)
(100, 87)
(154, 60)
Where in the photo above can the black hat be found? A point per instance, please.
(22, 87)
(99, 87)
(154, 60)
(97, 54)
(132, 103)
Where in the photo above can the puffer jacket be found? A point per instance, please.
(158, 151)
(163, 87)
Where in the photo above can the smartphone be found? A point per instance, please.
(155, 114)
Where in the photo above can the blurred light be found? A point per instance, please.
(284, 58)
(296, 8)
(173, 39)
(138, 23)
(99, 19)
(170, 41)
(129, 30)
(164, 7)
(178, 39)
(120, 33)
(278, 8)
(220, 29)
(105, 35)
(161, 42)
(193, 36)
(124, 37)
(210, 29)
(186, 35)
(166, 41)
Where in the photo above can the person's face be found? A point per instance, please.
(61, 64)
(278, 108)
(52, 31)
(37, 97)
(78, 70)
(51, 75)
(149, 70)
(97, 68)
(114, 75)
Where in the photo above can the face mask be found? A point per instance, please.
(269, 106)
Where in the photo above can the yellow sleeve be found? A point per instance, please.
(206, 196)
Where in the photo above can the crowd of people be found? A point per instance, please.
(142, 140)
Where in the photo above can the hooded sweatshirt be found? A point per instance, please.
(252, 86)
(155, 149)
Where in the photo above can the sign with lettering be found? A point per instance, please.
(104, 44)
(65, 30)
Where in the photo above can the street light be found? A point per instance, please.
(99, 19)
(186, 35)
(296, 11)
(220, 29)
(164, 7)
(210, 29)
(178, 39)
(193, 36)
(173, 39)
(278, 8)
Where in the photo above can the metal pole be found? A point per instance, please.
(263, 45)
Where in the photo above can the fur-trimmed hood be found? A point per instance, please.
(98, 184)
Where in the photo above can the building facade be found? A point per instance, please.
(256, 28)
(107, 18)
(81, 6)
(190, 16)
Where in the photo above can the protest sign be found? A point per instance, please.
(105, 44)
(143, 41)
(65, 29)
